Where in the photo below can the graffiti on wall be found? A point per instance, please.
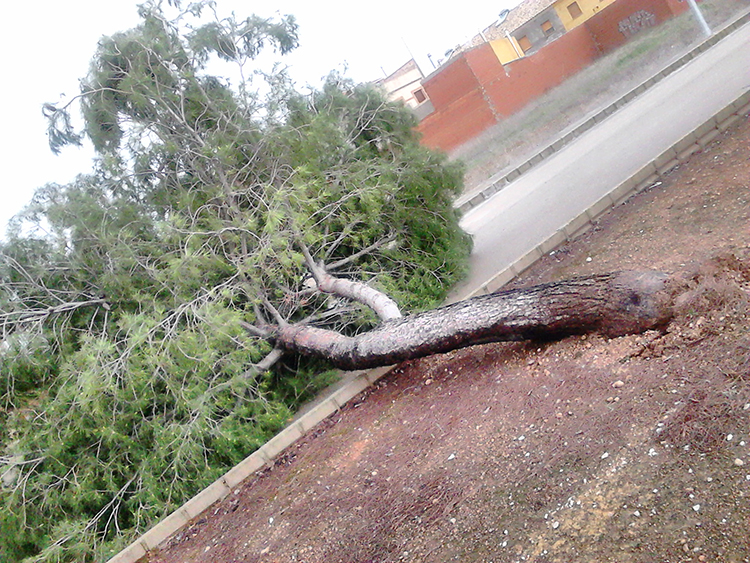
(636, 22)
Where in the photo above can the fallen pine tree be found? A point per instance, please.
(614, 304)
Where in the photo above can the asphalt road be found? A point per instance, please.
(535, 206)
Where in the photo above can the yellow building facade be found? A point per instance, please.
(506, 49)
(573, 13)
(510, 43)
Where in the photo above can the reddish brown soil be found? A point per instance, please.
(588, 449)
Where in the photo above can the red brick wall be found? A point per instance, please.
(528, 78)
(605, 26)
(484, 63)
(679, 6)
(471, 93)
(474, 91)
(461, 110)
(450, 83)
(461, 121)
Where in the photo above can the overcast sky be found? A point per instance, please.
(46, 47)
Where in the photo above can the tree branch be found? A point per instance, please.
(255, 369)
(25, 316)
(383, 306)
(367, 250)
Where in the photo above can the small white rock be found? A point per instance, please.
(451, 457)
(605, 455)
(738, 462)
(555, 525)
(697, 507)
(619, 383)
(730, 437)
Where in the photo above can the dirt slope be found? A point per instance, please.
(633, 449)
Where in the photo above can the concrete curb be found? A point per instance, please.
(646, 177)
(475, 199)
(264, 457)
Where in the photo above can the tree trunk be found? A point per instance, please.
(615, 304)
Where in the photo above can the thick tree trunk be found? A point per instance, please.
(615, 304)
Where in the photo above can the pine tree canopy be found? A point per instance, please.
(135, 366)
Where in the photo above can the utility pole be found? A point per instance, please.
(699, 16)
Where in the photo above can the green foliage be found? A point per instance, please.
(358, 154)
(129, 378)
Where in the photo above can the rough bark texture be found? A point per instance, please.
(615, 304)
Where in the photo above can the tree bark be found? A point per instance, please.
(383, 306)
(614, 304)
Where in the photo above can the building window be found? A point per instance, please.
(524, 43)
(419, 95)
(574, 9)
(547, 28)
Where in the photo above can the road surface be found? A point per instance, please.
(538, 204)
